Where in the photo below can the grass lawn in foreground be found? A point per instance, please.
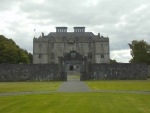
(76, 103)
(28, 86)
(143, 85)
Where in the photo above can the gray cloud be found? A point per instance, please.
(6, 5)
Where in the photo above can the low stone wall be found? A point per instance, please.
(47, 72)
(29, 72)
(119, 71)
(148, 71)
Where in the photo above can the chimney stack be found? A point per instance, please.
(61, 29)
(42, 34)
(79, 29)
(98, 34)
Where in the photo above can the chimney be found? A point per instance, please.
(79, 29)
(61, 29)
(98, 34)
(42, 34)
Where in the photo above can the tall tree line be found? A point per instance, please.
(11, 53)
(140, 52)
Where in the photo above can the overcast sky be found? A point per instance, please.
(121, 20)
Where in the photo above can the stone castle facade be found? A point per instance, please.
(47, 49)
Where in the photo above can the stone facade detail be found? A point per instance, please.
(47, 49)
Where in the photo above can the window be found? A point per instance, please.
(40, 55)
(90, 38)
(52, 56)
(52, 45)
(89, 45)
(102, 55)
(65, 45)
(77, 45)
(64, 38)
(90, 55)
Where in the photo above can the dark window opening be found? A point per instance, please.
(71, 68)
(52, 56)
(90, 45)
(52, 45)
(90, 55)
(102, 55)
(40, 55)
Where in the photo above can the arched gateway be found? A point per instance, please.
(70, 59)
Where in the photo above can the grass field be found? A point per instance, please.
(76, 103)
(73, 76)
(143, 85)
(28, 86)
(88, 102)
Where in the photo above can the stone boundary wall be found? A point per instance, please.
(28, 72)
(120, 71)
(47, 72)
(148, 71)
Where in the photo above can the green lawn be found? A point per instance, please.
(143, 85)
(73, 76)
(28, 86)
(76, 103)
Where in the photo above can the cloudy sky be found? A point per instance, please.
(121, 20)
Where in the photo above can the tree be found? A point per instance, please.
(12, 53)
(113, 61)
(140, 52)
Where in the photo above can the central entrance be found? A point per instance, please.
(73, 73)
(73, 68)
(73, 63)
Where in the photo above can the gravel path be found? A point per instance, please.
(74, 85)
(24, 93)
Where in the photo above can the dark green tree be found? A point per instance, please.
(140, 52)
(113, 61)
(12, 53)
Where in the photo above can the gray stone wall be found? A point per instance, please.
(117, 71)
(30, 72)
(47, 72)
(148, 71)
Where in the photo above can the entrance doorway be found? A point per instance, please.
(73, 66)
(73, 72)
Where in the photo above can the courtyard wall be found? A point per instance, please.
(47, 72)
(28, 72)
(148, 71)
(121, 71)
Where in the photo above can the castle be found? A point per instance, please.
(61, 52)
(47, 49)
